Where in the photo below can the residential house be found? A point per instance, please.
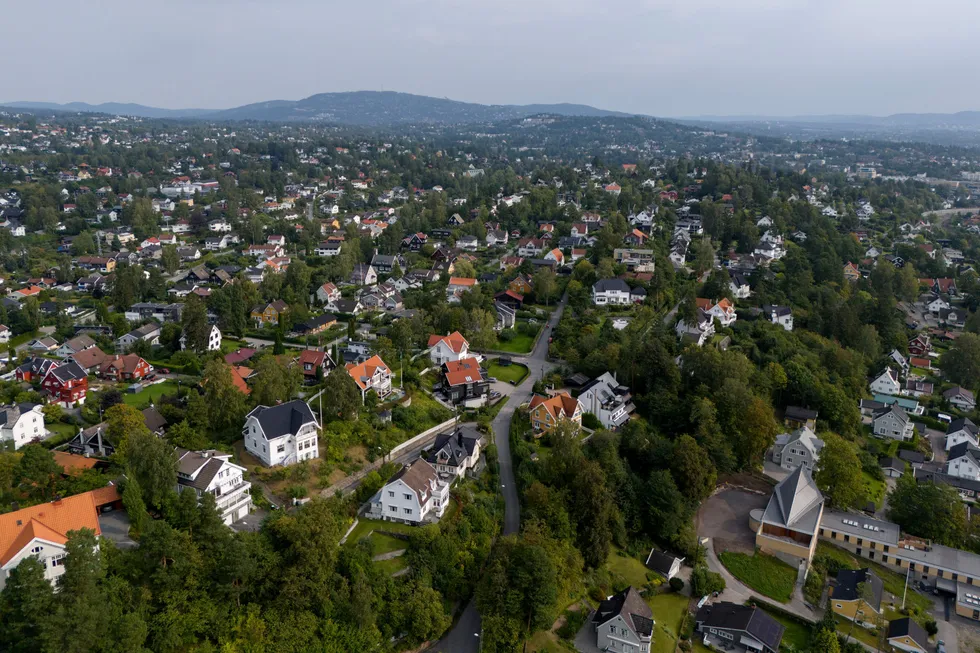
(663, 563)
(463, 382)
(796, 417)
(547, 412)
(781, 315)
(555, 255)
(415, 242)
(414, 495)
(847, 599)
(451, 347)
(212, 472)
(740, 627)
(148, 333)
(892, 422)
(635, 238)
(698, 332)
(457, 286)
(624, 622)
(801, 447)
(789, 524)
(327, 293)
(521, 285)
(961, 398)
(915, 388)
(21, 424)
(920, 345)
(329, 248)
(213, 342)
(364, 275)
(455, 452)
(372, 374)
(468, 243)
(385, 264)
(892, 467)
(530, 247)
(311, 360)
(851, 272)
(496, 237)
(739, 285)
(900, 360)
(4, 334)
(611, 292)
(43, 345)
(886, 383)
(723, 311)
(963, 461)
(635, 260)
(906, 635)
(608, 400)
(41, 531)
(34, 369)
(66, 385)
(282, 435)
(316, 324)
(75, 345)
(267, 315)
(130, 367)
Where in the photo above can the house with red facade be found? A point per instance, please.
(35, 368)
(66, 385)
(130, 367)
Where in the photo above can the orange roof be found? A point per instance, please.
(703, 304)
(238, 375)
(73, 462)
(455, 341)
(561, 405)
(461, 281)
(51, 521)
(465, 370)
(920, 362)
(365, 370)
(725, 304)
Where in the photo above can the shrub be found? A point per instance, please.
(573, 622)
(931, 627)
(676, 584)
(704, 582)
(590, 421)
(296, 492)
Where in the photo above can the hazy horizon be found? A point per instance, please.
(705, 58)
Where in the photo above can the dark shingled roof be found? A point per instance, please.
(283, 419)
(751, 619)
(905, 627)
(631, 607)
(847, 586)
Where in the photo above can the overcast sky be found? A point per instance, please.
(659, 57)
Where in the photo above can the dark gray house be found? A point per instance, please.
(741, 627)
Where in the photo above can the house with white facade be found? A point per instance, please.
(739, 285)
(800, 448)
(697, 332)
(451, 347)
(608, 400)
(961, 398)
(282, 435)
(214, 339)
(415, 495)
(21, 424)
(372, 374)
(960, 431)
(624, 622)
(886, 383)
(963, 461)
(723, 310)
(455, 452)
(781, 315)
(212, 472)
(611, 292)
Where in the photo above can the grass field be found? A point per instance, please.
(62, 433)
(393, 565)
(797, 633)
(631, 570)
(150, 394)
(668, 611)
(365, 526)
(874, 488)
(763, 573)
(513, 373)
(521, 343)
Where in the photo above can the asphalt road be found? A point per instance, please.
(465, 635)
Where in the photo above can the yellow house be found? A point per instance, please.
(968, 601)
(788, 527)
(857, 595)
(268, 314)
(547, 412)
(906, 635)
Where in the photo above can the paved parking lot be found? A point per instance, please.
(724, 517)
(251, 522)
(115, 526)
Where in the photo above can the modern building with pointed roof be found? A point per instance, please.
(789, 526)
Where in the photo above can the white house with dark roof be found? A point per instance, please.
(963, 461)
(20, 424)
(960, 431)
(212, 472)
(282, 435)
(624, 622)
(800, 448)
(886, 383)
(611, 291)
(961, 398)
(744, 627)
(608, 400)
(781, 315)
(455, 452)
(414, 495)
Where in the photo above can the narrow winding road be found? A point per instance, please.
(465, 635)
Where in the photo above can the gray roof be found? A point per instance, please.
(611, 285)
(847, 586)
(804, 436)
(197, 469)
(796, 503)
(751, 619)
(892, 463)
(962, 424)
(629, 605)
(284, 419)
(456, 445)
(899, 414)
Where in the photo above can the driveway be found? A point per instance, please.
(252, 522)
(115, 526)
(724, 517)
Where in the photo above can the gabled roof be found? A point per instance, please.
(463, 371)
(751, 619)
(894, 410)
(418, 477)
(70, 371)
(284, 419)
(964, 449)
(804, 436)
(905, 627)
(962, 424)
(847, 586)
(629, 605)
(455, 341)
(366, 370)
(561, 405)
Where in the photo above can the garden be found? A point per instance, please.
(512, 373)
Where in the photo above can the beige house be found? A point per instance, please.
(788, 527)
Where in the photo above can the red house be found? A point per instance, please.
(66, 384)
(311, 359)
(35, 368)
(130, 367)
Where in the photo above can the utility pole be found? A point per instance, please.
(905, 590)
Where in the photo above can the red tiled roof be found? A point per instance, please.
(465, 370)
(455, 341)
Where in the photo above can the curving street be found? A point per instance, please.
(465, 635)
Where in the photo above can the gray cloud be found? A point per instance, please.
(773, 57)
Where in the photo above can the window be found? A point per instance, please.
(393, 508)
(280, 448)
(37, 549)
(391, 494)
(408, 497)
(58, 561)
(408, 511)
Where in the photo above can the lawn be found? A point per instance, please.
(631, 570)
(862, 635)
(521, 343)
(797, 633)
(150, 394)
(62, 433)
(668, 611)
(23, 338)
(874, 489)
(765, 574)
(513, 373)
(393, 565)
(365, 526)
